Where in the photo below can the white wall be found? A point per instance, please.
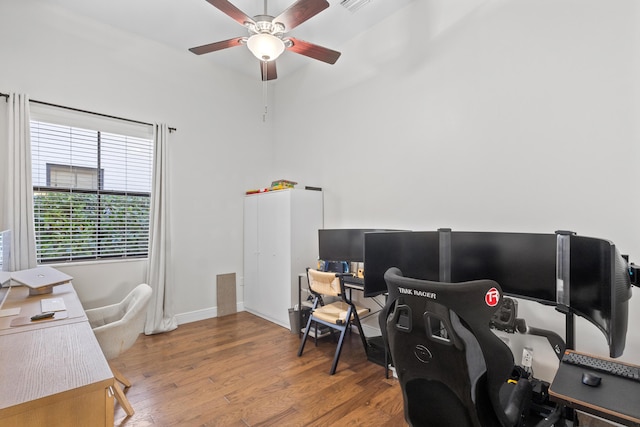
(217, 153)
(480, 115)
(471, 114)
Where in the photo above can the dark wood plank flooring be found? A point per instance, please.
(241, 370)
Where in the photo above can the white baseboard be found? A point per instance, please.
(207, 313)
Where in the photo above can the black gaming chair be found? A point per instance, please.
(452, 369)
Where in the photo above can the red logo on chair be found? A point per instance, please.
(492, 297)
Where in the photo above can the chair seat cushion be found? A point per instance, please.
(336, 312)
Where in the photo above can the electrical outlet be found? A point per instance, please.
(527, 357)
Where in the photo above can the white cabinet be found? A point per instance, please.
(280, 242)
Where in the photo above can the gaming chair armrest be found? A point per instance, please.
(515, 399)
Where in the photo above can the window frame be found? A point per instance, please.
(100, 247)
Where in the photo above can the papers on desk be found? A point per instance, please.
(52, 304)
(7, 312)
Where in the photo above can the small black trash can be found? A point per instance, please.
(298, 320)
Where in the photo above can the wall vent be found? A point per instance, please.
(354, 5)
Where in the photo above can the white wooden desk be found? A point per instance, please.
(52, 372)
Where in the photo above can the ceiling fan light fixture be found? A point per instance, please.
(265, 46)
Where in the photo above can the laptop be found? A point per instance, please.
(40, 278)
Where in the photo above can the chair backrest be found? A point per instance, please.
(118, 326)
(450, 365)
(323, 282)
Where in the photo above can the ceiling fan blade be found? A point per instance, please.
(268, 70)
(299, 12)
(314, 51)
(212, 47)
(235, 13)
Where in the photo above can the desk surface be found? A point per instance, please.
(46, 365)
(30, 305)
(44, 362)
(616, 398)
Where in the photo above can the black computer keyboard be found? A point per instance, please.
(354, 282)
(606, 366)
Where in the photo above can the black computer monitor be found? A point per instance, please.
(524, 264)
(415, 253)
(342, 244)
(600, 288)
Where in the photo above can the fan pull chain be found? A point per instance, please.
(264, 91)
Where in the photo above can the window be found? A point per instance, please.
(91, 192)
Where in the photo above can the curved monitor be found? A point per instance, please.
(600, 288)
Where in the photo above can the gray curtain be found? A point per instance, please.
(160, 316)
(19, 191)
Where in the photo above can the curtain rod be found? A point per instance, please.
(88, 112)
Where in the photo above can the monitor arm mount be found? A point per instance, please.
(506, 319)
(555, 340)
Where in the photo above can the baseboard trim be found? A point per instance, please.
(207, 313)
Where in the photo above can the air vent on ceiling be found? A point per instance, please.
(354, 5)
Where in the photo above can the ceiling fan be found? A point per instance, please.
(266, 39)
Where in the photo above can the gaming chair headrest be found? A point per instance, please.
(474, 303)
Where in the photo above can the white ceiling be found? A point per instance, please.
(183, 24)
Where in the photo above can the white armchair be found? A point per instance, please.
(117, 327)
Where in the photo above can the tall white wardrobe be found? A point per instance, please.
(280, 242)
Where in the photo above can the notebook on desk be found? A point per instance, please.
(52, 304)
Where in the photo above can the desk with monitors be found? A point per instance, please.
(578, 275)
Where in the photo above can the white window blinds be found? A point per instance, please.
(91, 190)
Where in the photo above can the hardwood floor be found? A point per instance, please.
(241, 370)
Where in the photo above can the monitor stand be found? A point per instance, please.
(43, 290)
